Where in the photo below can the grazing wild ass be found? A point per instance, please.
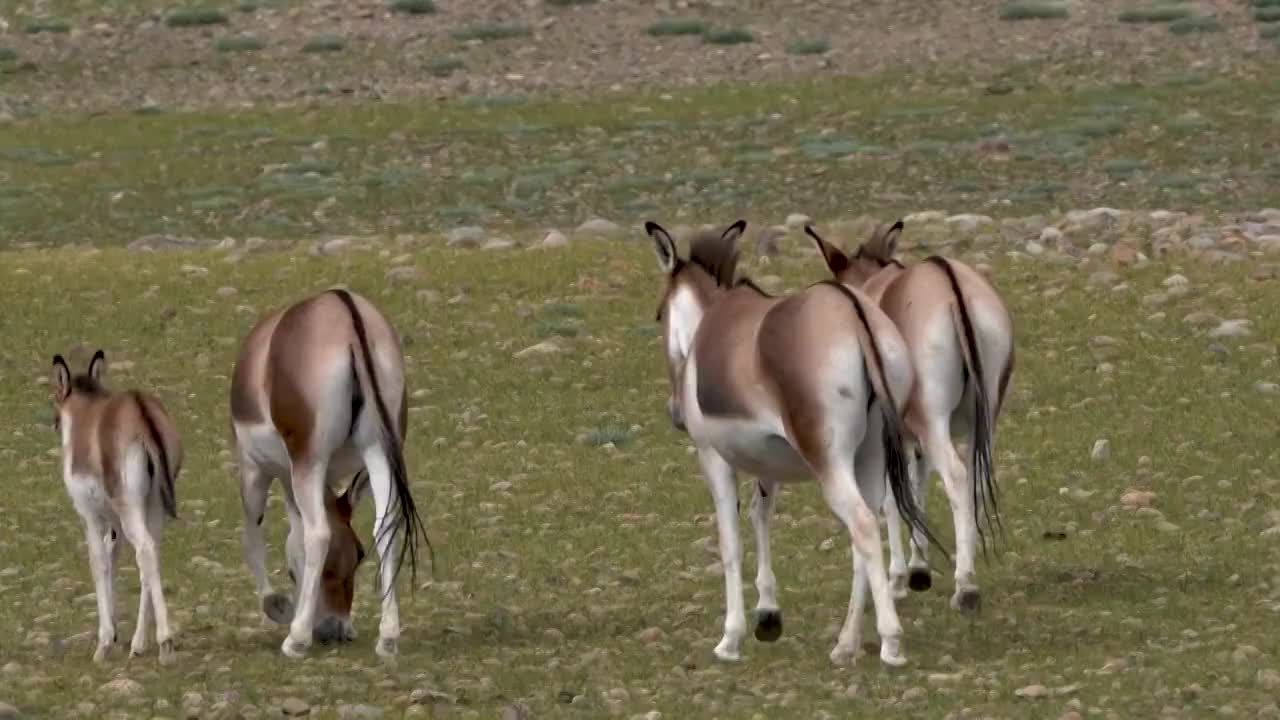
(318, 396)
(120, 457)
(782, 388)
(960, 338)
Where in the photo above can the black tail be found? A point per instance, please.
(981, 467)
(402, 514)
(168, 498)
(895, 454)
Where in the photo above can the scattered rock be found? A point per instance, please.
(797, 221)
(1165, 526)
(913, 694)
(968, 222)
(153, 243)
(650, 635)
(546, 347)
(295, 707)
(1032, 692)
(943, 678)
(1176, 281)
(1267, 388)
(518, 711)
(1101, 449)
(1138, 498)
(597, 226)
(428, 696)
(1231, 328)
(1050, 235)
(226, 292)
(555, 239)
(406, 272)
(9, 712)
(122, 687)
(498, 244)
(359, 712)
(1268, 679)
(467, 236)
(335, 246)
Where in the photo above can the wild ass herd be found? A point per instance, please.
(857, 381)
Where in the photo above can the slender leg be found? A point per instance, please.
(850, 639)
(308, 489)
(146, 550)
(722, 482)
(897, 559)
(382, 488)
(768, 617)
(919, 578)
(255, 486)
(959, 487)
(95, 534)
(138, 646)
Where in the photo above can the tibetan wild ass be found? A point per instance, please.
(960, 338)
(318, 396)
(782, 388)
(120, 457)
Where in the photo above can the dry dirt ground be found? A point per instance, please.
(123, 54)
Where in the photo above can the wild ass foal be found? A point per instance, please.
(782, 388)
(318, 396)
(960, 338)
(120, 457)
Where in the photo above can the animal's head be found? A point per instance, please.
(338, 577)
(71, 390)
(691, 286)
(873, 255)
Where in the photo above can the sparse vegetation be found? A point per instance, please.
(413, 7)
(487, 32)
(1031, 10)
(728, 36)
(8, 54)
(1267, 14)
(445, 66)
(239, 43)
(814, 46)
(196, 17)
(1155, 14)
(325, 44)
(1269, 32)
(35, 26)
(570, 3)
(1195, 24)
(678, 26)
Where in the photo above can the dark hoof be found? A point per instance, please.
(768, 625)
(968, 602)
(278, 607)
(919, 580)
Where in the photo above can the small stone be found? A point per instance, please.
(1165, 526)
(913, 694)
(553, 635)
(1032, 692)
(650, 635)
(122, 686)
(1176, 281)
(555, 239)
(407, 272)
(851, 692)
(1098, 249)
(1231, 328)
(359, 712)
(335, 246)
(968, 222)
(827, 545)
(498, 244)
(515, 712)
(1034, 249)
(1050, 235)
(597, 226)
(546, 347)
(1267, 388)
(295, 707)
(1244, 653)
(1101, 450)
(226, 292)
(797, 221)
(1269, 679)
(467, 236)
(943, 678)
(9, 712)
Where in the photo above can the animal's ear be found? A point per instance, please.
(98, 366)
(355, 493)
(733, 233)
(837, 262)
(663, 245)
(61, 378)
(890, 240)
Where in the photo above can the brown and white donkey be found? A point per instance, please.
(121, 455)
(960, 338)
(318, 396)
(787, 388)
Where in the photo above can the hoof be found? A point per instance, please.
(294, 649)
(967, 601)
(891, 652)
(278, 607)
(920, 580)
(387, 647)
(137, 651)
(725, 653)
(843, 655)
(768, 625)
(100, 655)
(167, 652)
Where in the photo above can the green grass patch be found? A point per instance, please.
(1266, 3)
(1268, 14)
(727, 36)
(1269, 32)
(8, 54)
(1195, 24)
(812, 46)
(239, 43)
(1154, 14)
(1034, 11)
(1122, 167)
(615, 435)
(325, 44)
(413, 7)
(36, 26)
(488, 32)
(445, 66)
(195, 17)
(678, 26)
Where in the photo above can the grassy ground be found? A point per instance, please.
(578, 574)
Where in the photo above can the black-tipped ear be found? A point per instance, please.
(98, 366)
(836, 260)
(733, 233)
(663, 245)
(891, 238)
(356, 491)
(61, 377)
